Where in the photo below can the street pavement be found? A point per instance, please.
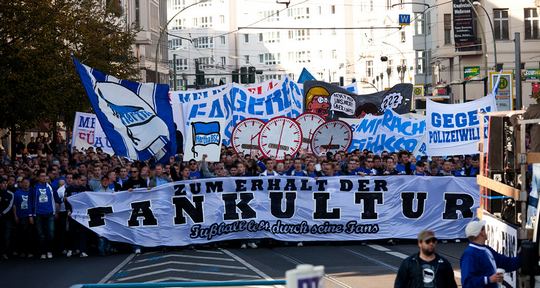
(347, 264)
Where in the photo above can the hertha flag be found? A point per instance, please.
(136, 117)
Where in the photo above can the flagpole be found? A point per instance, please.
(163, 30)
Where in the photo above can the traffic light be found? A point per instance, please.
(235, 76)
(199, 78)
(243, 75)
(251, 74)
(536, 91)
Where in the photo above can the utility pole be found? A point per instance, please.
(517, 72)
(174, 72)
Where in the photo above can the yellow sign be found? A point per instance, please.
(418, 90)
(504, 92)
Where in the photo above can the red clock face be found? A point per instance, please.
(279, 137)
(332, 136)
(308, 123)
(245, 137)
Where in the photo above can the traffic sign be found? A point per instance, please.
(404, 19)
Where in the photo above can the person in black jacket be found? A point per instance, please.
(425, 268)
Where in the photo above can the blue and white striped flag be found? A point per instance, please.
(136, 117)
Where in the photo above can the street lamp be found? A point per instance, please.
(477, 3)
(162, 31)
(484, 39)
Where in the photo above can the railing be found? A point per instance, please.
(184, 284)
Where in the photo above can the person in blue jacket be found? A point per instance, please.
(479, 263)
(23, 213)
(45, 206)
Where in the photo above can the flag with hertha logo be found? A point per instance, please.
(136, 117)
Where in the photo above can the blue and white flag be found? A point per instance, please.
(205, 134)
(136, 117)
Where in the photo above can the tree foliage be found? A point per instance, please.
(38, 81)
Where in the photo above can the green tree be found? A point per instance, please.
(38, 81)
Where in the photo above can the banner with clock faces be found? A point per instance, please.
(333, 102)
(283, 208)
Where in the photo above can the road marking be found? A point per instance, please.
(208, 252)
(185, 263)
(397, 254)
(116, 269)
(172, 279)
(391, 267)
(184, 270)
(182, 256)
(245, 263)
(379, 248)
(297, 262)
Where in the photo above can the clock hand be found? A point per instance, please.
(280, 134)
(330, 144)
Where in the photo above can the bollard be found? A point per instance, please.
(305, 276)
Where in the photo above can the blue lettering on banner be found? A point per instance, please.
(458, 120)
(207, 139)
(402, 125)
(87, 122)
(382, 142)
(453, 136)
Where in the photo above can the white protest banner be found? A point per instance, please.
(177, 98)
(261, 88)
(88, 133)
(343, 103)
(502, 238)
(454, 129)
(204, 138)
(236, 104)
(390, 132)
(282, 208)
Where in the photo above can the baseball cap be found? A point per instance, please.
(474, 228)
(426, 235)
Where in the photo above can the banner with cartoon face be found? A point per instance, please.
(333, 102)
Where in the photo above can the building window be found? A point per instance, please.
(500, 23)
(246, 58)
(261, 37)
(222, 39)
(175, 43)
(154, 17)
(223, 61)
(334, 54)
(371, 5)
(298, 13)
(270, 15)
(246, 38)
(137, 13)
(388, 4)
(428, 23)
(332, 9)
(222, 19)
(303, 56)
(531, 23)
(419, 24)
(299, 35)
(203, 42)
(181, 64)
(270, 58)
(447, 29)
(420, 62)
(206, 22)
(270, 37)
(369, 68)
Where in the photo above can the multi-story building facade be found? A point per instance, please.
(150, 16)
(442, 63)
(341, 39)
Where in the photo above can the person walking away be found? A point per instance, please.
(425, 268)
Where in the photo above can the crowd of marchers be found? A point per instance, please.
(35, 186)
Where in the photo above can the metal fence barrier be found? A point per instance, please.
(184, 284)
